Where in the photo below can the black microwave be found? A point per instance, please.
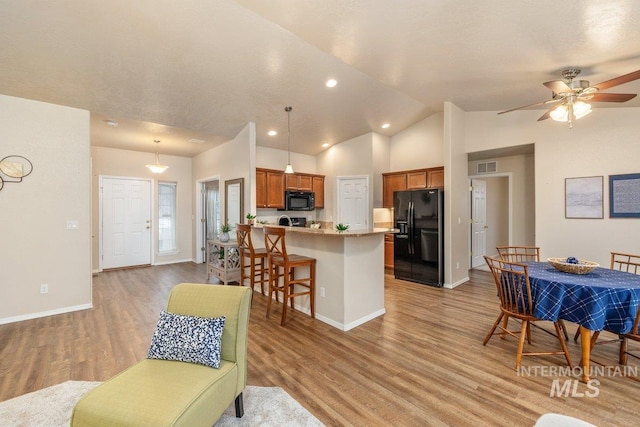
(299, 201)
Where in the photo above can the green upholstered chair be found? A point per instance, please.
(170, 393)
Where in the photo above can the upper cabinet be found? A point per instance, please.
(271, 184)
(269, 189)
(392, 182)
(435, 177)
(416, 179)
(318, 189)
(301, 182)
(409, 180)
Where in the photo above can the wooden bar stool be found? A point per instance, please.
(274, 241)
(251, 259)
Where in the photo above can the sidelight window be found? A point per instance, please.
(167, 217)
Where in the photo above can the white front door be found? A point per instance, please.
(479, 222)
(353, 202)
(126, 222)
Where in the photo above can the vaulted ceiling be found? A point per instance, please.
(201, 69)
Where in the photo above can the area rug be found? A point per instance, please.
(52, 407)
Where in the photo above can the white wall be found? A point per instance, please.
(498, 214)
(271, 158)
(36, 246)
(349, 158)
(521, 171)
(126, 163)
(603, 143)
(381, 146)
(231, 160)
(419, 146)
(456, 198)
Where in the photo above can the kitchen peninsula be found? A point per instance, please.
(349, 272)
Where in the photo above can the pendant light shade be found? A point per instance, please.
(289, 168)
(157, 168)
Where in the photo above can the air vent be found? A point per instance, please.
(487, 167)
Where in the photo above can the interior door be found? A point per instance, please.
(478, 222)
(353, 202)
(126, 222)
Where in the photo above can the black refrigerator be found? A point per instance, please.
(419, 246)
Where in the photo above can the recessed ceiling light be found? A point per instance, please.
(331, 83)
(272, 133)
(385, 126)
(325, 145)
(111, 123)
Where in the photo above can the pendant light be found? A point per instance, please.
(157, 167)
(289, 168)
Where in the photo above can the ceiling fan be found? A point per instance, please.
(570, 96)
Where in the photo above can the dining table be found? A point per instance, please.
(603, 299)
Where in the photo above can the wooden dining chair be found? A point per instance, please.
(523, 254)
(514, 290)
(283, 265)
(631, 264)
(253, 262)
(519, 253)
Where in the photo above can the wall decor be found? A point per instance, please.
(624, 196)
(13, 169)
(583, 197)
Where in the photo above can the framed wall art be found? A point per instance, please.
(624, 196)
(583, 197)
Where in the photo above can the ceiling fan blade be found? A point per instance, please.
(558, 86)
(549, 101)
(546, 115)
(618, 80)
(612, 97)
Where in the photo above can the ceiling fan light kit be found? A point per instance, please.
(570, 96)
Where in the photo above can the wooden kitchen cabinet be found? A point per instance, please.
(317, 186)
(300, 182)
(409, 180)
(388, 251)
(271, 184)
(416, 179)
(269, 189)
(390, 183)
(435, 177)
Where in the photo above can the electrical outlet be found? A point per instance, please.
(44, 288)
(457, 266)
(322, 293)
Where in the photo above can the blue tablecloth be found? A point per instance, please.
(603, 299)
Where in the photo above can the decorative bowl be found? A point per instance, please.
(582, 267)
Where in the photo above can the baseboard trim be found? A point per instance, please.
(30, 316)
(458, 283)
(173, 262)
(350, 325)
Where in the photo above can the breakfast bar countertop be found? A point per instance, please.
(333, 232)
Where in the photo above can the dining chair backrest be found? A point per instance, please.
(625, 262)
(274, 242)
(519, 253)
(514, 289)
(245, 245)
(631, 264)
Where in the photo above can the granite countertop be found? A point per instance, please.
(333, 232)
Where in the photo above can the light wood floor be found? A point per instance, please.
(422, 363)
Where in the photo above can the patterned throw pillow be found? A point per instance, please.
(187, 339)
